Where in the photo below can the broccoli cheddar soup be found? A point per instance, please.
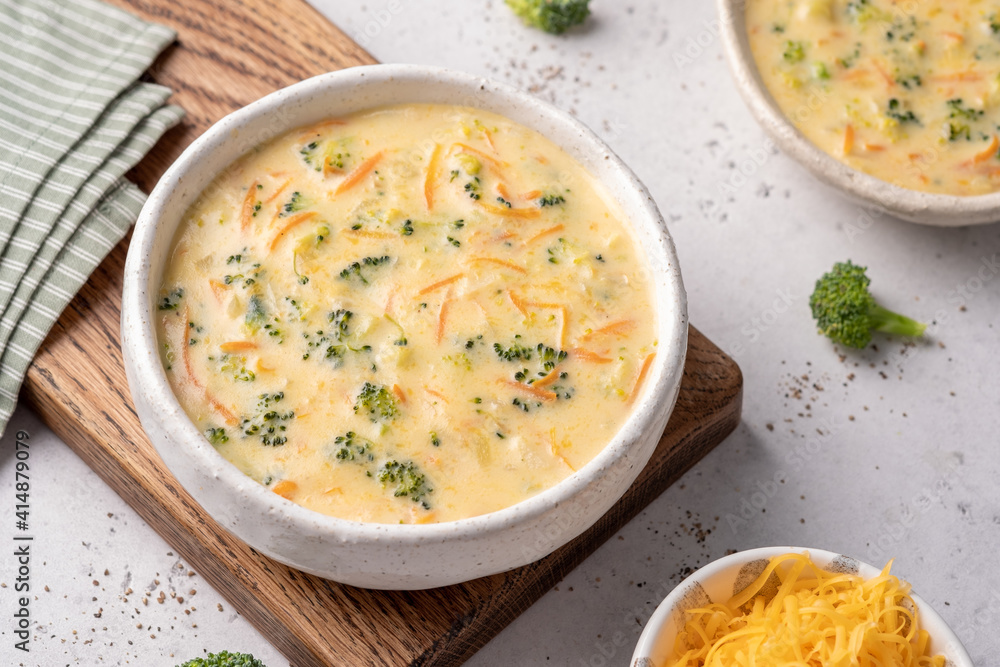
(907, 91)
(412, 314)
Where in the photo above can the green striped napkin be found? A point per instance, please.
(73, 120)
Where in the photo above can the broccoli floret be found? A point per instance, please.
(514, 352)
(225, 659)
(268, 423)
(355, 268)
(293, 205)
(795, 52)
(255, 316)
(847, 313)
(895, 111)
(409, 481)
(172, 301)
(552, 16)
(216, 435)
(376, 402)
(351, 446)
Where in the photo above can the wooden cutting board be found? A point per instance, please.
(231, 52)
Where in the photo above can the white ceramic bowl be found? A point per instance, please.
(380, 555)
(878, 195)
(723, 578)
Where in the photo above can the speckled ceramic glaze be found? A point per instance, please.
(723, 578)
(385, 555)
(876, 195)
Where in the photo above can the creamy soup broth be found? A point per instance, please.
(412, 314)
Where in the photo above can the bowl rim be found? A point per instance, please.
(913, 205)
(943, 634)
(662, 383)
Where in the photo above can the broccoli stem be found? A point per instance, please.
(886, 321)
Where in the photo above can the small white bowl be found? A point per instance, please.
(723, 578)
(386, 555)
(881, 196)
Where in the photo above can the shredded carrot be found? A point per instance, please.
(436, 394)
(619, 328)
(315, 129)
(558, 455)
(533, 194)
(642, 376)
(848, 139)
(856, 73)
(875, 148)
(499, 262)
(564, 318)
(278, 192)
(442, 315)
(547, 380)
(246, 212)
(889, 81)
(989, 152)
(546, 232)
(285, 488)
(400, 394)
(957, 76)
(517, 303)
(492, 161)
(292, 223)
(953, 36)
(432, 169)
(489, 139)
(359, 173)
(427, 517)
(238, 346)
(510, 212)
(441, 283)
(218, 289)
(586, 355)
(543, 394)
(226, 413)
(370, 234)
(563, 326)
(503, 191)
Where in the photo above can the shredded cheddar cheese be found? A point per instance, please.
(815, 618)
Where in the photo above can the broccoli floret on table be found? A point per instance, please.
(846, 312)
(552, 16)
(225, 659)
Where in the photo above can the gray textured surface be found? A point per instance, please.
(911, 476)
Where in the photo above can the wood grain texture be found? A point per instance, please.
(229, 53)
